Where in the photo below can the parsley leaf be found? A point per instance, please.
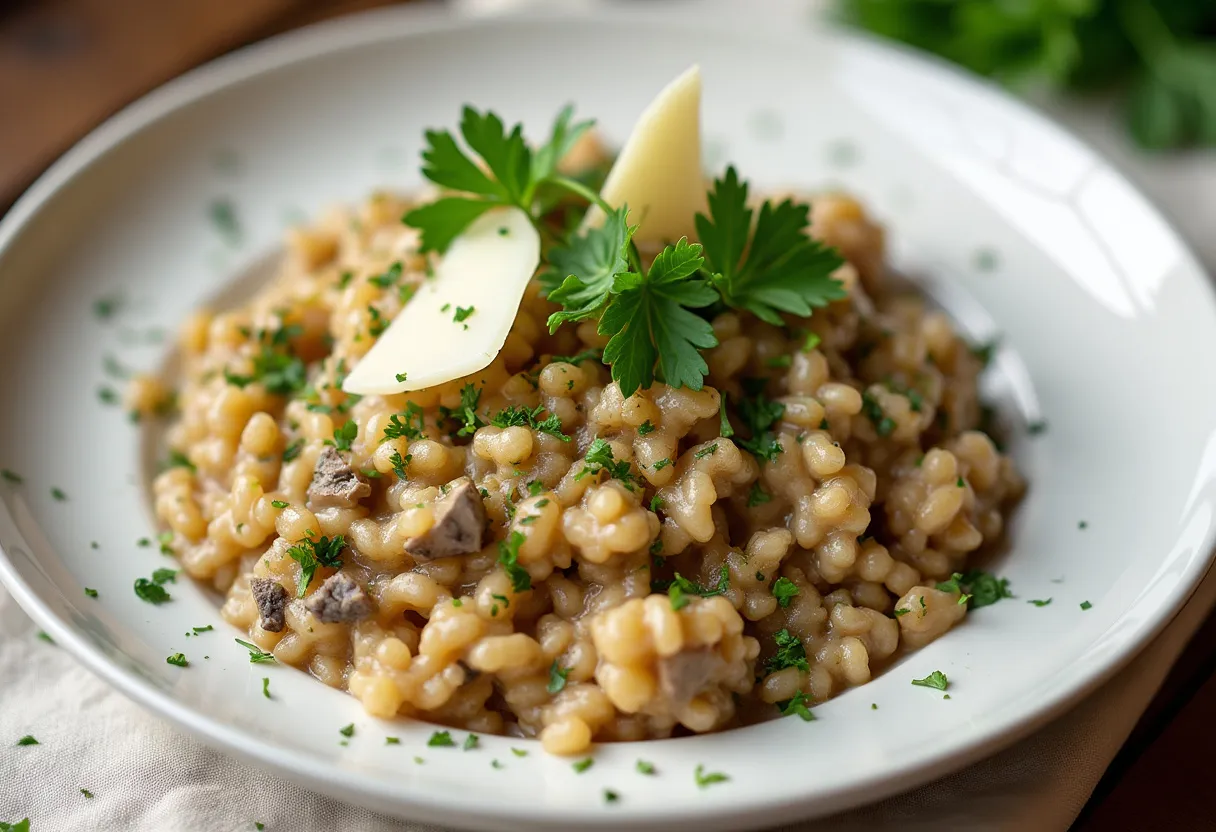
(798, 706)
(511, 176)
(784, 590)
(653, 333)
(936, 680)
(519, 416)
(582, 272)
(312, 553)
(256, 654)
(645, 767)
(790, 653)
(557, 677)
(599, 457)
(28, 740)
(704, 778)
(508, 556)
(178, 659)
(782, 269)
(151, 592)
(344, 435)
(441, 739)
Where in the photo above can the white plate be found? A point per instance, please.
(1109, 325)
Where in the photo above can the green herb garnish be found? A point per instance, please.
(704, 778)
(312, 553)
(256, 654)
(508, 557)
(936, 680)
(178, 659)
(785, 591)
(790, 653)
(557, 677)
(441, 739)
(151, 592)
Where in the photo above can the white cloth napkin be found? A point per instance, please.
(145, 776)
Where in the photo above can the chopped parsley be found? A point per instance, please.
(205, 629)
(519, 752)
(610, 796)
(376, 323)
(978, 588)
(256, 654)
(936, 680)
(11, 476)
(388, 277)
(884, 425)
(92, 593)
(645, 767)
(399, 463)
(679, 588)
(470, 742)
(28, 740)
(759, 413)
(518, 416)
(646, 428)
(508, 557)
(785, 591)
(178, 659)
(58, 494)
(401, 425)
(165, 576)
(87, 793)
(557, 677)
(392, 741)
(466, 414)
(705, 779)
(401, 376)
(105, 308)
(107, 395)
(312, 553)
(706, 451)
(797, 707)
(151, 591)
(348, 731)
(266, 686)
(293, 450)
(1081, 524)
(463, 313)
(1039, 603)
(1037, 427)
(344, 435)
(1085, 605)
(599, 457)
(441, 739)
(790, 653)
(757, 496)
(583, 764)
(279, 503)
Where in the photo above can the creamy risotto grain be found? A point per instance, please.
(620, 585)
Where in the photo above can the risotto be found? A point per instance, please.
(529, 551)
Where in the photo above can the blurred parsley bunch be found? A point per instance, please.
(1163, 50)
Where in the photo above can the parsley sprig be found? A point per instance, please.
(771, 267)
(513, 174)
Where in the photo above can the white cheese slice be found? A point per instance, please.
(658, 174)
(487, 268)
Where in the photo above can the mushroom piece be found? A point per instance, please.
(684, 675)
(271, 598)
(340, 600)
(334, 483)
(460, 524)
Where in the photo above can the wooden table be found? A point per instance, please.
(67, 64)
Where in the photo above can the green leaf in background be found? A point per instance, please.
(1164, 49)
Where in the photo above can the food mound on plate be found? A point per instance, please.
(700, 481)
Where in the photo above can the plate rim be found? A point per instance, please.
(410, 21)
